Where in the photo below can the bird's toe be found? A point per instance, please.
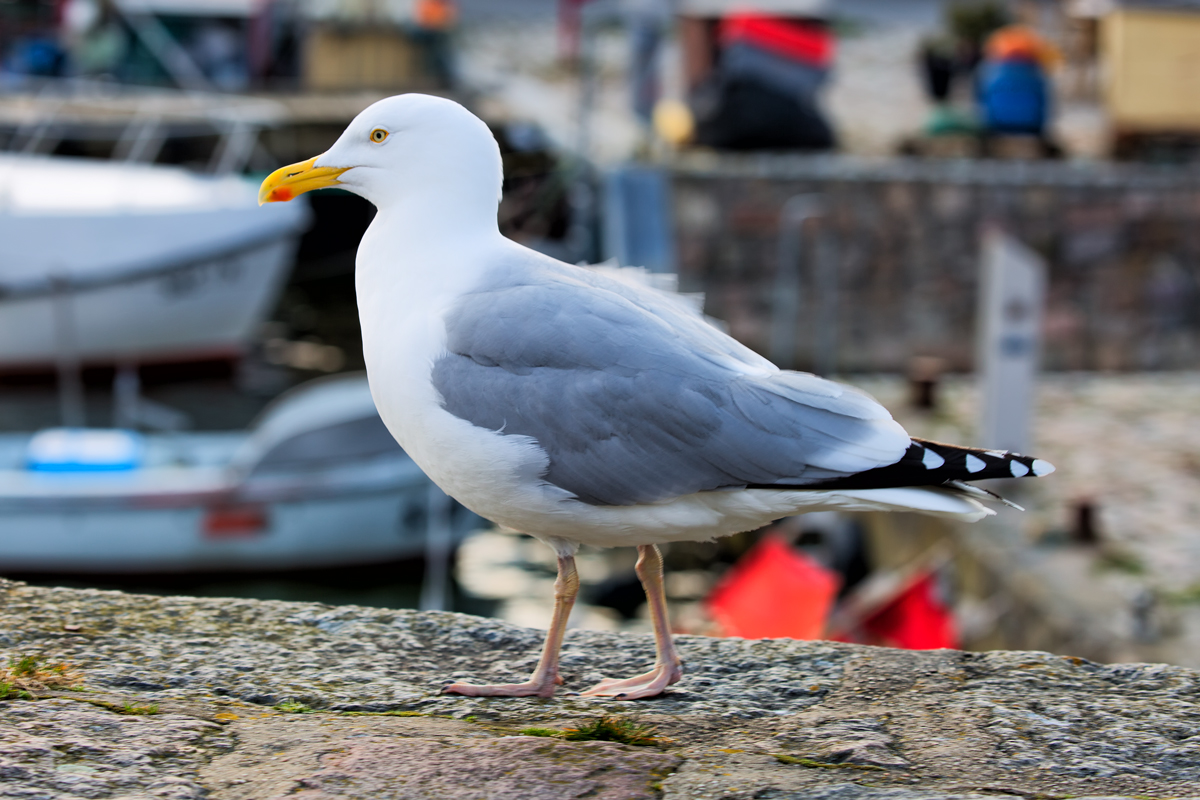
(527, 689)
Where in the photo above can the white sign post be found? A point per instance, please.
(1012, 300)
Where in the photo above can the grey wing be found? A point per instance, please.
(635, 405)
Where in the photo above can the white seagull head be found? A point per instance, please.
(408, 150)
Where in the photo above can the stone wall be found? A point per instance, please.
(1122, 242)
(247, 700)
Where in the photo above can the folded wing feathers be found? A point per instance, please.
(636, 399)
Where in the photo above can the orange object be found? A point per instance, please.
(435, 15)
(1020, 43)
(772, 592)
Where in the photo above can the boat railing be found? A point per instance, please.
(42, 113)
(55, 283)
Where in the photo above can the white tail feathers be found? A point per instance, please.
(932, 500)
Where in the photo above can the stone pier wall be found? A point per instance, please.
(228, 699)
(1122, 242)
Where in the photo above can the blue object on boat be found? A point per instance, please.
(84, 450)
(40, 56)
(1014, 96)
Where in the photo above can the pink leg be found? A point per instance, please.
(545, 677)
(668, 669)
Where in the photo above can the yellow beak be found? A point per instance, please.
(295, 179)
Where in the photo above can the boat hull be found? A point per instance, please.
(110, 262)
(205, 311)
(327, 532)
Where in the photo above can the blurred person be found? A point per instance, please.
(433, 22)
(948, 60)
(219, 51)
(570, 29)
(937, 67)
(970, 23)
(937, 59)
(648, 22)
(1013, 91)
(763, 93)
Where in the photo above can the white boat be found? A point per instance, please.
(115, 262)
(317, 482)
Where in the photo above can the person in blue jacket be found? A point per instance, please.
(1013, 91)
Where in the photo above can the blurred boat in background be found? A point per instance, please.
(317, 481)
(122, 262)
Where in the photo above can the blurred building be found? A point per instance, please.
(1133, 63)
(232, 45)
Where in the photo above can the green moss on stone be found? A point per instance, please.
(613, 729)
(9, 692)
(540, 732)
(291, 707)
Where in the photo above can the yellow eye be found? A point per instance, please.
(378, 135)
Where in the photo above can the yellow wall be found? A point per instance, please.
(1152, 69)
(359, 59)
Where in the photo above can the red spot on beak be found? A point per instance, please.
(282, 194)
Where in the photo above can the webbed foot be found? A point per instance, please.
(530, 688)
(652, 684)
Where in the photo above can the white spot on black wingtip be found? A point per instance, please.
(1041, 468)
(1017, 469)
(974, 464)
(932, 460)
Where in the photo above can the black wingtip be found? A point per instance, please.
(929, 463)
(972, 463)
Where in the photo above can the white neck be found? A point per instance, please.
(414, 251)
(411, 268)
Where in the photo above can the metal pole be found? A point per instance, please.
(785, 304)
(580, 195)
(587, 85)
(126, 392)
(438, 548)
(166, 50)
(66, 356)
(234, 149)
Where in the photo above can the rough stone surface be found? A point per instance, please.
(766, 720)
(64, 748)
(316, 757)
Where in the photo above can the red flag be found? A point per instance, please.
(774, 591)
(916, 619)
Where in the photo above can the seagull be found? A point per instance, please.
(583, 409)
